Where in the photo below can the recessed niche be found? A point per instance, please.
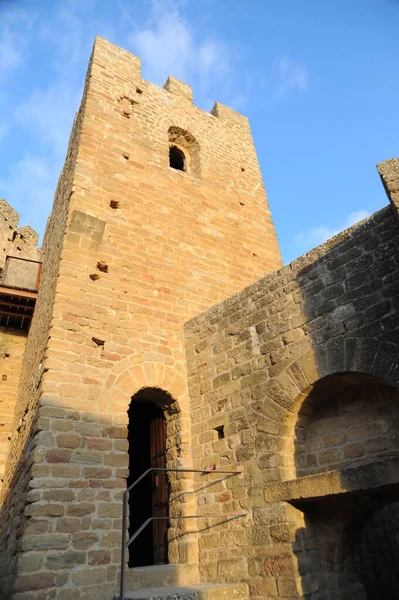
(220, 432)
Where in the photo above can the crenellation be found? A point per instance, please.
(174, 86)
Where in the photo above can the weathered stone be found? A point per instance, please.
(30, 561)
(81, 509)
(68, 524)
(83, 541)
(44, 542)
(99, 557)
(83, 577)
(34, 581)
(65, 560)
(66, 440)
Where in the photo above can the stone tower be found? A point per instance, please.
(160, 213)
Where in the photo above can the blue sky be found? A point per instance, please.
(317, 79)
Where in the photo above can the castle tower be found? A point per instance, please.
(160, 213)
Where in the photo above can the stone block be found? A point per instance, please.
(34, 581)
(65, 560)
(94, 575)
(81, 509)
(44, 542)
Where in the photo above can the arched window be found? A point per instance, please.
(177, 159)
(184, 151)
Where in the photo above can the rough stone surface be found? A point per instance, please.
(301, 371)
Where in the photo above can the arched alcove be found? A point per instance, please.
(347, 419)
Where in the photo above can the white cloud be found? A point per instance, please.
(49, 114)
(168, 45)
(318, 235)
(292, 75)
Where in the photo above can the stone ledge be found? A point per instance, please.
(344, 481)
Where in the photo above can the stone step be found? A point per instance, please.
(160, 576)
(206, 591)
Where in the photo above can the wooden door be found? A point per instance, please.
(160, 491)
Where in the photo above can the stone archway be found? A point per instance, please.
(153, 436)
(295, 383)
(130, 378)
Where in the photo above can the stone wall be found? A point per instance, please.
(375, 553)
(23, 452)
(12, 347)
(146, 247)
(253, 360)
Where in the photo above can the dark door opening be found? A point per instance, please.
(151, 496)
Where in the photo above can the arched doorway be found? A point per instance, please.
(147, 448)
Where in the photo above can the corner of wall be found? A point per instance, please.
(227, 114)
(389, 173)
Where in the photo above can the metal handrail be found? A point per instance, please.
(126, 543)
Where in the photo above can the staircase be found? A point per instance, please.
(178, 582)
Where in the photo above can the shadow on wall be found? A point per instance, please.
(60, 523)
(345, 467)
(348, 548)
(64, 537)
(348, 492)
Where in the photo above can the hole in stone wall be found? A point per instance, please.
(102, 266)
(220, 432)
(177, 160)
(114, 204)
(126, 104)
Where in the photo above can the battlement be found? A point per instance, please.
(29, 234)
(7, 213)
(16, 242)
(107, 55)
